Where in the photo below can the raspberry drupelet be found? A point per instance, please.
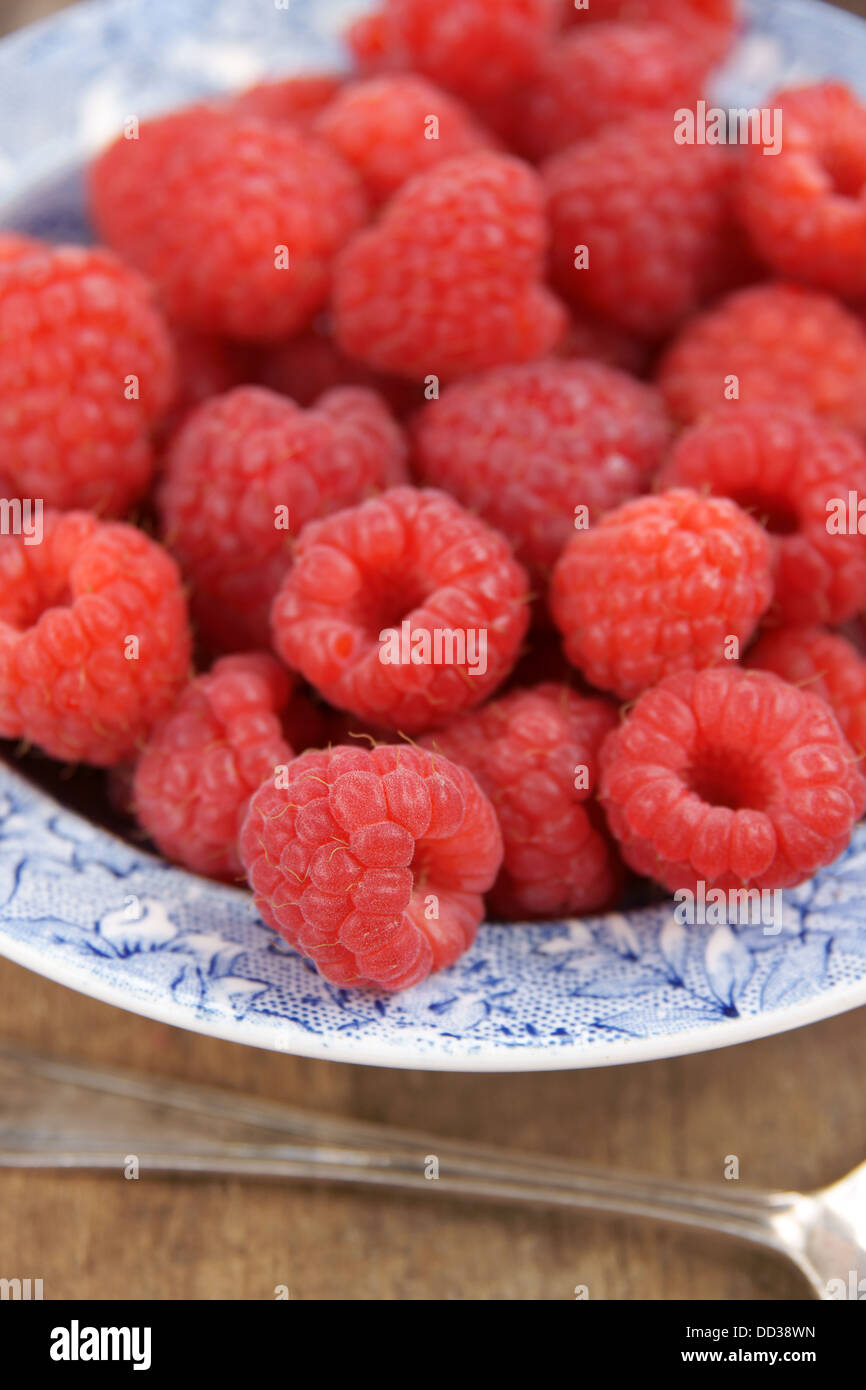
(825, 663)
(786, 467)
(449, 280)
(87, 368)
(94, 638)
(535, 754)
(661, 584)
(245, 474)
(732, 777)
(372, 863)
(771, 344)
(404, 611)
(227, 732)
(525, 446)
(237, 220)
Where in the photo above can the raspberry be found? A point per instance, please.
(308, 365)
(207, 756)
(655, 219)
(524, 446)
(372, 862)
(599, 76)
(805, 207)
(772, 343)
(710, 23)
(405, 611)
(293, 100)
(448, 281)
(826, 664)
(94, 642)
(245, 474)
(660, 585)
(786, 467)
(477, 48)
(528, 750)
(382, 127)
(732, 777)
(237, 220)
(86, 368)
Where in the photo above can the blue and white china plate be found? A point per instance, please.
(92, 912)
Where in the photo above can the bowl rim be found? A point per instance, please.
(296, 1042)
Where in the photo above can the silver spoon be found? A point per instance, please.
(57, 1114)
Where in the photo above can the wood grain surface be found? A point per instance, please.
(791, 1108)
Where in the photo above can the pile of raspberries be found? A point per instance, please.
(441, 491)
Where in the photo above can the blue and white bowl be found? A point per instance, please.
(88, 910)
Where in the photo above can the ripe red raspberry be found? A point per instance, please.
(449, 280)
(236, 219)
(405, 611)
(772, 343)
(601, 75)
(732, 777)
(525, 446)
(711, 23)
(823, 662)
(94, 641)
(372, 862)
(227, 732)
(308, 365)
(654, 219)
(383, 128)
(786, 467)
(86, 368)
(660, 585)
(477, 48)
(535, 755)
(295, 101)
(245, 474)
(805, 206)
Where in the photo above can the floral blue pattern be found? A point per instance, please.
(90, 909)
(85, 908)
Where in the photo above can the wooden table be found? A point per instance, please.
(791, 1108)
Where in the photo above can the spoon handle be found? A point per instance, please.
(57, 1114)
